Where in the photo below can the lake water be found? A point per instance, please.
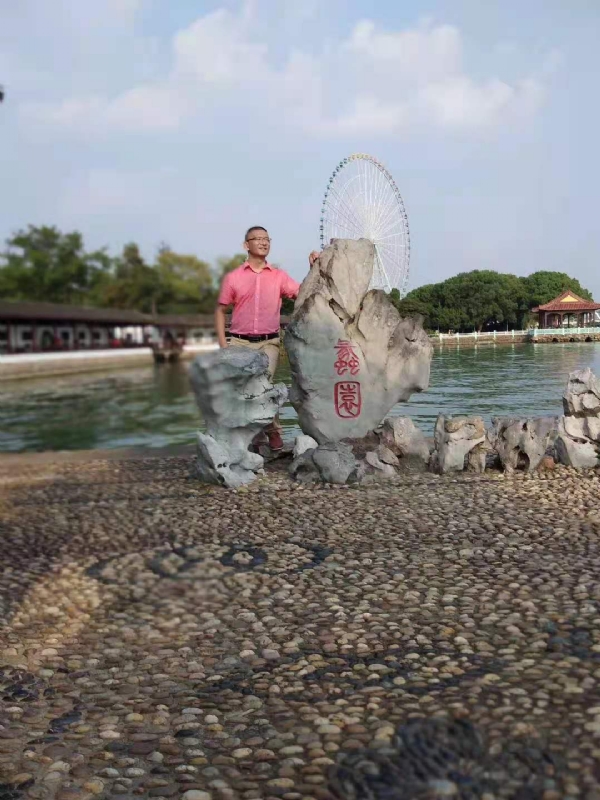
(153, 406)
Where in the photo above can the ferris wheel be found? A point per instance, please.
(363, 201)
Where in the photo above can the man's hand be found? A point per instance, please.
(313, 257)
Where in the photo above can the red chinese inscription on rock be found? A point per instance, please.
(348, 401)
(347, 360)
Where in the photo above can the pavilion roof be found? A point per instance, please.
(569, 301)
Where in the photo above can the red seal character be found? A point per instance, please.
(347, 360)
(348, 401)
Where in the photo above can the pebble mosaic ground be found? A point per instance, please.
(432, 637)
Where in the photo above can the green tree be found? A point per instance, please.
(42, 264)
(543, 286)
(186, 282)
(225, 265)
(287, 306)
(134, 284)
(410, 307)
(471, 301)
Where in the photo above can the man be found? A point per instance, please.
(255, 290)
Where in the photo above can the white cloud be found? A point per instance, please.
(460, 102)
(111, 190)
(419, 55)
(377, 81)
(215, 50)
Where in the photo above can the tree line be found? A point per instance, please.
(485, 300)
(43, 264)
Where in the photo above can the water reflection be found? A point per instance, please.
(153, 406)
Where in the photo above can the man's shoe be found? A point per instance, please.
(260, 440)
(275, 440)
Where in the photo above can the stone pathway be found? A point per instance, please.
(435, 637)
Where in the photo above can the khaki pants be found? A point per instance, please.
(271, 348)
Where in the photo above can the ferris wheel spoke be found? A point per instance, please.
(345, 198)
(363, 201)
(382, 270)
(347, 211)
(383, 199)
(387, 254)
(342, 231)
(385, 221)
(397, 235)
(345, 203)
(387, 248)
(340, 215)
(349, 223)
(387, 215)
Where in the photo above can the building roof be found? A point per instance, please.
(184, 320)
(27, 312)
(56, 312)
(569, 301)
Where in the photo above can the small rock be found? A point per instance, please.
(95, 786)
(242, 752)
(271, 655)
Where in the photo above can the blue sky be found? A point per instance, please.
(183, 121)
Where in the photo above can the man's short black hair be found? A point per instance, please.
(254, 228)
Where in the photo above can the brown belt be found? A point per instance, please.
(263, 337)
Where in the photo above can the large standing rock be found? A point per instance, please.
(578, 440)
(352, 356)
(236, 399)
(458, 442)
(522, 442)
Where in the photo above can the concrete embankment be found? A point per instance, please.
(39, 365)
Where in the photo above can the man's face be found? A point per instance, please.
(258, 244)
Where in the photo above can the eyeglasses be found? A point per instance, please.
(259, 239)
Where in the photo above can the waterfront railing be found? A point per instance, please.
(595, 331)
(475, 335)
(529, 333)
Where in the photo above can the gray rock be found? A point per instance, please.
(378, 466)
(454, 439)
(351, 354)
(404, 438)
(387, 456)
(335, 462)
(332, 462)
(583, 394)
(237, 400)
(583, 427)
(522, 443)
(303, 468)
(477, 457)
(302, 444)
(581, 453)
(578, 441)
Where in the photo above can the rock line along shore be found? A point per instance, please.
(165, 639)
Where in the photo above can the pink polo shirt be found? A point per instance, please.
(256, 298)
